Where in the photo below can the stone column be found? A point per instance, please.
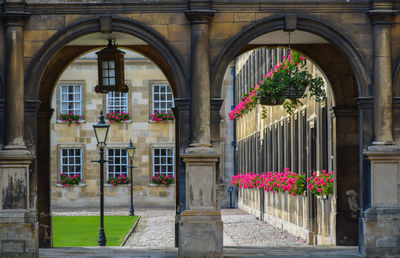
(200, 77)
(15, 82)
(18, 219)
(381, 17)
(201, 228)
(381, 220)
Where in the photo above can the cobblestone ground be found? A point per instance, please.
(246, 230)
(157, 229)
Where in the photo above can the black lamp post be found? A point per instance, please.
(131, 152)
(101, 132)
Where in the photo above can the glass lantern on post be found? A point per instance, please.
(111, 70)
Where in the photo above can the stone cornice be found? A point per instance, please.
(200, 16)
(180, 6)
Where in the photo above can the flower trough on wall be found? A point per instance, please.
(70, 118)
(69, 181)
(162, 117)
(118, 180)
(116, 116)
(286, 181)
(160, 179)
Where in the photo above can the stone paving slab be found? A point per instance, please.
(117, 252)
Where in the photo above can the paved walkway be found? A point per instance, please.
(103, 252)
(244, 236)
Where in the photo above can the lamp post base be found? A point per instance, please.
(102, 238)
(131, 211)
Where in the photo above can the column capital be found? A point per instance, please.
(200, 16)
(365, 102)
(216, 103)
(382, 12)
(14, 13)
(182, 103)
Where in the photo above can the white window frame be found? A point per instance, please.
(114, 165)
(163, 164)
(111, 99)
(77, 103)
(74, 164)
(168, 92)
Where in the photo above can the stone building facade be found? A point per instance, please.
(149, 92)
(304, 142)
(193, 43)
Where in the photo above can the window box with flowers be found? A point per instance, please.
(284, 85)
(70, 118)
(162, 180)
(162, 117)
(119, 180)
(69, 181)
(116, 116)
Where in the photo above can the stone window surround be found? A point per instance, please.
(150, 87)
(130, 104)
(155, 146)
(83, 97)
(83, 160)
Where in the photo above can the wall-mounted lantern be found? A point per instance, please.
(110, 62)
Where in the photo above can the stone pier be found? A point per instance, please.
(381, 222)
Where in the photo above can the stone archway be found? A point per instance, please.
(52, 60)
(346, 70)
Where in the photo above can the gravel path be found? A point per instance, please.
(156, 228)
(246, 230)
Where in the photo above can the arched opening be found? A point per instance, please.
(345, 71)
(52, 60)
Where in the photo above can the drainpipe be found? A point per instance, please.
(233, 73)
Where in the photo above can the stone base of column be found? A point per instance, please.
(18, 224)
(201, 228)
(381, 222)
(381, 232)
(201, 234)
(18, 234)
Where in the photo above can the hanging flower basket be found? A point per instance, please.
(284, 85)
(290, 93)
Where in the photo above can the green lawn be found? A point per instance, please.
(84, 230)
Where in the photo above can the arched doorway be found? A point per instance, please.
(347, 74)
(53, 58)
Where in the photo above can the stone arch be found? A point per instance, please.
(49, 63)
(167, 60)
(347, 115)
(304, 23)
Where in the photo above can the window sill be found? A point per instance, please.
(159, 185)
(122, 185)
(58, 121)
(79, 185)
(121, 122)
(161, 122)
